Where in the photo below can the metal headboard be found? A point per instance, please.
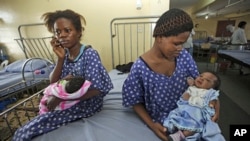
(34, 41)
(200, 35)
(130, 37)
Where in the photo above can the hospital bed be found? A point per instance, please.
(23, 74)
(27, 72)
(24, 77)
(240, 57)
(130, 37)
(200, 44)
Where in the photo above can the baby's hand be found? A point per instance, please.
(190, 81)
(186, 96)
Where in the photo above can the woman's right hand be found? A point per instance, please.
(160, 131)
(156, 127)
(57, 47)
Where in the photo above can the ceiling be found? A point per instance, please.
(214, 8)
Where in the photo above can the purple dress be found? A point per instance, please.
(87, 64)
(159, 93)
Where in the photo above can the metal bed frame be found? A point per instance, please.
(226, 57)
(130, 37)
(34, 41)
(29, 113)
(34, 46)
(200, 35)
(37, 46)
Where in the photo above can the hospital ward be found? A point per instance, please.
(124, 70)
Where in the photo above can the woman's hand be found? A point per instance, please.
(57, 47)
(157, 128)
(160, 131)
(215, 118)
(52, 102)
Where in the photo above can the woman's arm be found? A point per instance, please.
(158, 129)
(215, 118)
(90, 93)
(60, 52)
(57, 71)
(54, 101)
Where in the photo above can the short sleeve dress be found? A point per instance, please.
(87, 64)
(159, 93)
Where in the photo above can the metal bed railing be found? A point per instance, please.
(27, 82)
(130, 37)
(33, 43)
(30, 110)
(200, 35)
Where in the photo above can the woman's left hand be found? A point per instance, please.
(52, 102)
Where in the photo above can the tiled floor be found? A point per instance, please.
(235, 100)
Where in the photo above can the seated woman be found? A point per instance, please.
(73, 59)
(158, 77)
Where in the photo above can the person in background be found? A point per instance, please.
(239, 37)
(74, 59)
(195, 109)
(188, 45)
(158, 77)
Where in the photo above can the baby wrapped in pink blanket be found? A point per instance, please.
(66, 90)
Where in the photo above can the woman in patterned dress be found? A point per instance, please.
(74, 58)
(158, 77)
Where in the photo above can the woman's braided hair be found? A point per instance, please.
(172, 23)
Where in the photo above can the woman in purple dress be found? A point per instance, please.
(158, 77)
(74, 59)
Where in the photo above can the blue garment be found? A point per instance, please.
(88, 65)
(195, 118)
(159, 93)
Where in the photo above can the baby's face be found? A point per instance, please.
(205, 80)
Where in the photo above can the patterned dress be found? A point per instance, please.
(87, 64)
(159, 93)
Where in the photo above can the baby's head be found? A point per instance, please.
(207, 80)
(74, 84)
